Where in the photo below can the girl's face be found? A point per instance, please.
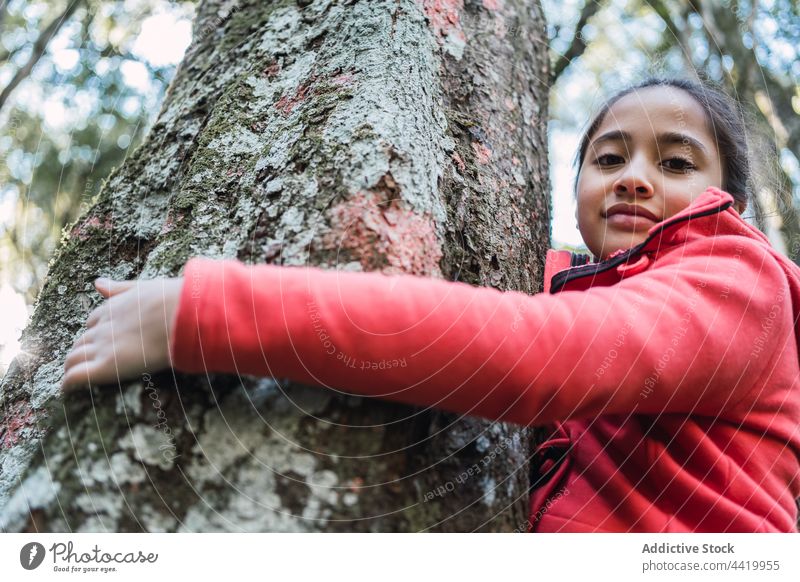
(649, 158)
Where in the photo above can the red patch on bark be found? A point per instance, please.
(444, 17)
(19, 421)
(258, 126)
(482, 154)
(285, 104)
(83, 230)
(288, 102)
(384, 234)
(272, 69)
(491, 4)
(169, 224)
(457, 159)
(343, 79)
(237, 171)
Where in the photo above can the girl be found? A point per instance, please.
(667, 366)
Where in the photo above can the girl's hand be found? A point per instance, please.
(125, 336)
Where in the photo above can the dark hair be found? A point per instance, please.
(725, 121)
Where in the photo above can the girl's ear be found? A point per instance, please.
(740, 207)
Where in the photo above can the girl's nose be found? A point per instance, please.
(633, 180)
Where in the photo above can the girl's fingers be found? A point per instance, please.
(84, 353)
(77, 376)
(87, 337)
(93, 371)
(109, 287)
(97, 315)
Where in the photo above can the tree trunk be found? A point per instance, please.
(396, 135)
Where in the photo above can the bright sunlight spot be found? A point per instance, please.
(15, 316)
(163, 39)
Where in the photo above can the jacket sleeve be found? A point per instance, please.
(687, 335)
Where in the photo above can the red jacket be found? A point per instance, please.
(668, 372)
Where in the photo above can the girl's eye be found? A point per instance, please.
(609, 160)
(679, 164)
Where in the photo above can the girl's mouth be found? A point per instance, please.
(630, 221)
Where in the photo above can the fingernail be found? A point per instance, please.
(101, 280)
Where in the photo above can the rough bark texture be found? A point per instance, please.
(395, 135)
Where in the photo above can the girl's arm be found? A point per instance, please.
(685, 336)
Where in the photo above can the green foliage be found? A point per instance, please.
(87, 102)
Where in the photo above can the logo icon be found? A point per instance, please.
(31, 555)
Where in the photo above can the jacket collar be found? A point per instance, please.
(563, 266)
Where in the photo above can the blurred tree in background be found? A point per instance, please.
(81, 80)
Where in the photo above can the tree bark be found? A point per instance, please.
(395, 135)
